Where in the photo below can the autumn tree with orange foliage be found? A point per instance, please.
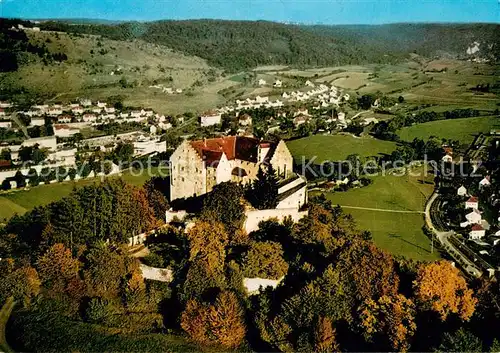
(369, 270)
(57, 268)
(219, 323)
(440, 287)
(324, 337)
(22, 282)
(390, 316)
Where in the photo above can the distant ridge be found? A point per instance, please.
(239, 45)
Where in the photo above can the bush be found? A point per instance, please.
(99, 311)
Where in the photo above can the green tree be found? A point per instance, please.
(460, 341)
(264, 260)
(225, 204)
(264, 191)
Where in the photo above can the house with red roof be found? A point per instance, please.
(472, 202)
(477, 232)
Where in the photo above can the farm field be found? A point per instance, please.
(21, 201)
(337, 147)
(463, 130)
(400, 233)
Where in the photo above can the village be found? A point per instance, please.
(65, 132)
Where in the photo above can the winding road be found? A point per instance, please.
(443, 238)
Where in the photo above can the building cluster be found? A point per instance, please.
(167, 90)
(68, 120)
(474, 217)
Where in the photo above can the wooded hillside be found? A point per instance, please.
(235, 45)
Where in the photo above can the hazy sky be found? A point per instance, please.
(304, 11)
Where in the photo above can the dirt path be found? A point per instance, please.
(4, 317)
(381, 209)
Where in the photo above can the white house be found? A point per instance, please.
(309, 83)
(5, 104)
(210, 118)
(278, 84)
(285, 95)
(2, 112)
(64, 119)
(6, 124)
(54, 111)
(77, 110)
(37, 122)
(472, 202)
(109, 109)
(245, 120)
(485, 182)
(447, 158)
(64, 131)
(462, 191)
(474, 217)
(101, 104)
(89, 118)
(477, 232)
(262, 82)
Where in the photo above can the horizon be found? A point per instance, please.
(318, 12)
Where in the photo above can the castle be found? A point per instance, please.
(197, 166)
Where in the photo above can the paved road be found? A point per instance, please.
(18, 121)
(381, 209)
(443, 238)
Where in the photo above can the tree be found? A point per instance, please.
(33, 178)
(26, 153)
(21, 283)
(156, 198)
(20, 179)
(219, 323)
(57, 268)
(39, 155)
(324, 337)
(123, 152)
(390, 316)
(264, 260)
(5, 154)
(401, 99)
(264, 191)
(460, 341)
(224, 204)
(440, 287)
(366, 101)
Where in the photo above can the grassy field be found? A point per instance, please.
(399, 233)
(21, 201)
(463, 130)
(337, 147)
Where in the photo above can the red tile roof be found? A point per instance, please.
(472, 199)
(234, 147)
(477, 227)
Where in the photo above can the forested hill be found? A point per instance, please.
(236, 45)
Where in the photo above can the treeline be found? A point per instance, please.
(111, 211)
(387, 130)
